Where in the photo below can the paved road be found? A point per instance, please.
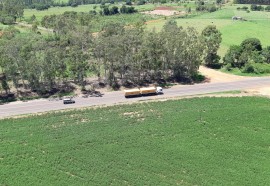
(17, 108)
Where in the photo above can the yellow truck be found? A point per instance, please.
(143, 91)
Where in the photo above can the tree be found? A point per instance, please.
(35, 27)
(13, 8)
(4, 84)
(212, 38)
(266, 54)
(251, 44)
(219, 1)
(114, 10)
(234, 57)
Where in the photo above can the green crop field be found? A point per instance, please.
(199, 141)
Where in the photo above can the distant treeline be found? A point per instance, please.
(261, 2)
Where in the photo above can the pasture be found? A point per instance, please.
(233, 32)
(199, 141)
(81, 8)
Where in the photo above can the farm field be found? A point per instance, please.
(198, 141)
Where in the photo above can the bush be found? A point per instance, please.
(266, 54)
(92, 12)
(212, 9)
(128, 2)
(257, 68)
(249, 68)
(251, 44)
(242, 8)
(197, 78)
(233, 56)
(115, 86)
(256, 7)
(228, 67)
(74, 5)
(267, 8)
(163, 1)
(41, 6)
(7, 20)
(141, 2)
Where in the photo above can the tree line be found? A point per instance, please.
(119, 55)
(261, 2)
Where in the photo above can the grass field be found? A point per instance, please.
(199, 141)
(233, 32)
(81, 8)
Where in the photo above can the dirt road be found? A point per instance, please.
(216, 76)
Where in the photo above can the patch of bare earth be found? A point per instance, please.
(165, 11)
(214, 76)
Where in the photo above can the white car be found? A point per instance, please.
(68, 100)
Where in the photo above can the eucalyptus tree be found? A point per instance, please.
(183, 50)
(168, 33)
(79, 53)
(212, 39)
(153, 50)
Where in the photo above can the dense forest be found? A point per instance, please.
(261, 2)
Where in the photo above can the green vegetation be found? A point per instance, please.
(10, 11)
(228, 92)
(119, 55)
(263, 2)
(239, 72)
(249, 57)
(233, 32)
(201, 141)
(81, 8)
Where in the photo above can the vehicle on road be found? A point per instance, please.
(143, 91)
(68, 101)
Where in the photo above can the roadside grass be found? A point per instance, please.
(199, 141)
(227, 92)
(237, 71)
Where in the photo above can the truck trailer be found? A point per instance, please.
(143, 91)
